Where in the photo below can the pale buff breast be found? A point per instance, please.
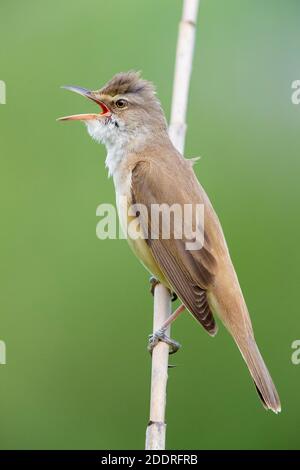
(138, 246)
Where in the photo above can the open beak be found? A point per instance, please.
(105, 111)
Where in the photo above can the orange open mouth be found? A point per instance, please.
(105, 111)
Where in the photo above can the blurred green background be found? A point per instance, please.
(76, 311)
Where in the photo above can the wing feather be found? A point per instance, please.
(190, 273)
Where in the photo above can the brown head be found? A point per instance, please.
(129, 110)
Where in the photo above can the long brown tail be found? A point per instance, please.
(260, 374)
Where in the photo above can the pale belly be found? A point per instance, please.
(139, 246)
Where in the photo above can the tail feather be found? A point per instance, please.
(260, 374)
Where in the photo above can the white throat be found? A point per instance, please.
(112, 134)
(117, 140)
(115, 153)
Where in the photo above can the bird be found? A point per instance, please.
(147, 170)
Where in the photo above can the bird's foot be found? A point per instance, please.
(160, 335)
(153, 283)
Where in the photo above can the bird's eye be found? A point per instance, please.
(121, 103)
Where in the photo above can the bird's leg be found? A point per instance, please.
(160, 334)
(153, 282)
